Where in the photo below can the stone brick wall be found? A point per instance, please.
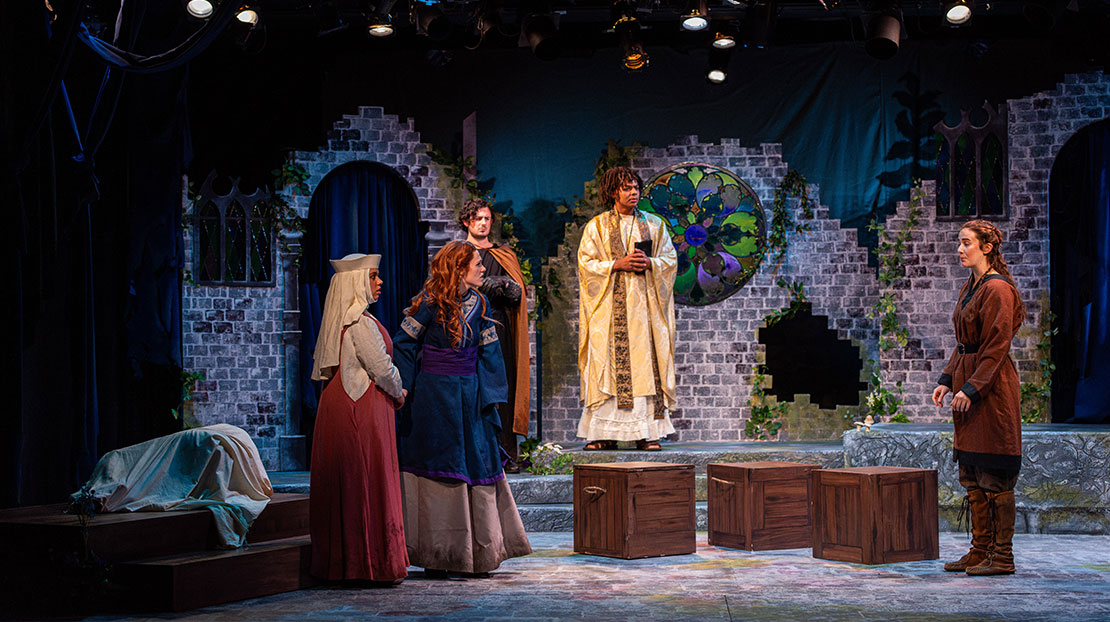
(239, 337)
(717, 345)
(1038, 127)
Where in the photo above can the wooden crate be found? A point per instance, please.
(875, 515)
(760, 505)
(634, 509)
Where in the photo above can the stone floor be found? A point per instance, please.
(1060, 577)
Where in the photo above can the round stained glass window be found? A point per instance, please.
(717, 225)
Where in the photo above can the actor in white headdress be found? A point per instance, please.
(355, 509)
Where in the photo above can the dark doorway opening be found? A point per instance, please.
(805, 357)
(1079, 242)
(360, 207)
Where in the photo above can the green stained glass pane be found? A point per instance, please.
(944, 157)
(208, 243)
(963, 175)
(718, 226)
(991, 172)
(235, 244)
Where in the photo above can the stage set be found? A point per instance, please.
(184, 173)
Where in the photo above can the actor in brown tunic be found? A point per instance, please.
(986, 408)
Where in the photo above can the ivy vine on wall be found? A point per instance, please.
(1036, 397)
(882, 402)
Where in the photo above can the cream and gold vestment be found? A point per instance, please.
(626, 360)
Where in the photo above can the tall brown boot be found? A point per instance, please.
(980, 532)
(1000, 559)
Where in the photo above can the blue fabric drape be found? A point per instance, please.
(1080, 230)
(362, 207)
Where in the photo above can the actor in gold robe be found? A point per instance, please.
(626, 332)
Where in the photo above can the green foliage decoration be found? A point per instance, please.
(462, 180)
(763, 423)
(546, 459)
(183, 412)
(291, 177)
(1036, 397)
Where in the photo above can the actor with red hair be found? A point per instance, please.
(459, 513)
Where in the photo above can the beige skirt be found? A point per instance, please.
(450, 525)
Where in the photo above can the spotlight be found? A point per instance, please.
(201, 9)
(758, 24)
(432, 21)
(957, 12)
(247, 15)
(628, 29)
(380, 23)
(1043, 13)
(724, 40)
(696, 16)
(542, 36)
(884, 33)
(718, 65)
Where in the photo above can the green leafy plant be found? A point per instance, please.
(891, 254)
(798, 301)
(546, 459)
(882, 403)
(763, 424)
(1036, 397)
(183, 412)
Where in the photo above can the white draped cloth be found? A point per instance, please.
(215, 468)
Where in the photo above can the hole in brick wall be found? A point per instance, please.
(804, 356)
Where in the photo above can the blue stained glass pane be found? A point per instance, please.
(261, 258)
(717, 224)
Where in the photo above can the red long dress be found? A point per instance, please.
(355, 516)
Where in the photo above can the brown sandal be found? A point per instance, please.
(600, 446)
(646, 445)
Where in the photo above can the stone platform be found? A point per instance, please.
(1064, 485)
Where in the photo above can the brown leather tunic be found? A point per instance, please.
(989, 433)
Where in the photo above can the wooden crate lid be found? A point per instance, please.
(634, 466)
(878, 470)
(764, 464)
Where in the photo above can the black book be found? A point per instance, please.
(644, 245)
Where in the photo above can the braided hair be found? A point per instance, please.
(986, 233)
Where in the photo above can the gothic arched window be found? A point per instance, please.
(971, 167)
(234, 244)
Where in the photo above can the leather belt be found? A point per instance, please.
(967, 348)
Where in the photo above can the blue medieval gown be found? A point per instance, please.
(459, 513)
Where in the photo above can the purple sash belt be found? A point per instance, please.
(448, 362)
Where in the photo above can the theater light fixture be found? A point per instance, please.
(884, 32)
(380, 23)
(201, 9)
(542, 35)
(247, 15)
(724, 40)
(718, 65)
(957, 12)
(696, 16)
(628, 29)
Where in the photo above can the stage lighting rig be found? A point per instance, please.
(431, 21)
(200, 9)
(380, 22)
(724, 39)
(541, 34)
(696, 16)
(957, 12)
(627, 27)
(758, 25)
(248, 15)
(884, 31)
(718, 65)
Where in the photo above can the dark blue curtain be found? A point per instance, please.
(361, 207)
(1079, 223)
